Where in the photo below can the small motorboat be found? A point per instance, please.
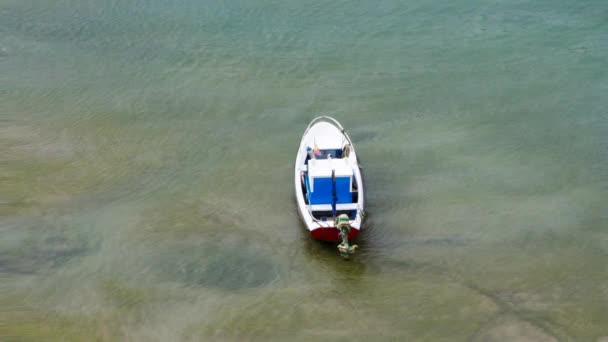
(328, 182)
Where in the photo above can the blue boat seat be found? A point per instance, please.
(322, 190)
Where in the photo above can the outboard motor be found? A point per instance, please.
(343, 224)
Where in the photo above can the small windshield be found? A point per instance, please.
(323, 154)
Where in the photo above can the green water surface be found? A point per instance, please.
(147, 149)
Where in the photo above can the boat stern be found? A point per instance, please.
(332, 234)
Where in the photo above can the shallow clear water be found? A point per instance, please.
(147, 149)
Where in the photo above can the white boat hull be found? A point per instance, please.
(319, 227)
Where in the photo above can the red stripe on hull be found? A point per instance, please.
(332, 234)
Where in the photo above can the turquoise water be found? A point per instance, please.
(147, 147)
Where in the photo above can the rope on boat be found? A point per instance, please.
(343, 225)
